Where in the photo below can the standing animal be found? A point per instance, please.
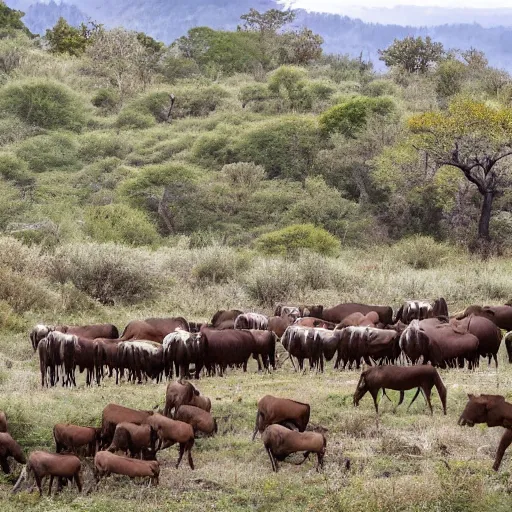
(225, 319)
(288, 311)
(106, 463)
(106, 355)
(114, 414)
(278, 324)
(43, 464)
(84, 359)
(357, 319)
(301, 343)
(400, 378)
(283, 411)
(9, 448)
(153, 329)
(3, 422)
(281, 442)
(265, 348)
(420, 310)
(251, 321)
(181, 349)
(310, 321)
(500, 315)
(496, 412)
(138, 440)
(201, 421)
(508, 345)
(184, 393)
(71, 438)
(170, 431)
(337, 313)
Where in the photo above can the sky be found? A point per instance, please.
(337, 5)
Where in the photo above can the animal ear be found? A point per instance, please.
(470, 396)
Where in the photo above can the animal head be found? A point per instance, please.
(315, 311)
(361, 388)
(477, 409)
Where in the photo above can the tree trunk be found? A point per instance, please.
(485, 217)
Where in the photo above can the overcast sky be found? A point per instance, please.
(337, 5)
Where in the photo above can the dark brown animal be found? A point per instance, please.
(420, 310)
(106, 463)
(278, 324)
(300, 342)
(337, 313)
(289, 413)
(71, 438)
(153, 329)
(3, 422)
(223, 318)
(106, 355)
(137, 440)
(265, 348)
(400, 378)
(170, 432)
(184, 393)
(201, 421)
(9, 448)
(493, 410)
(43, 464)
(114, 414)
(500, 315)
(281, 442)
(84, 359)
(508, 345)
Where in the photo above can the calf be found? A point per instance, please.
(106, 463)
(71, 438)
(138, 440)
(272, 410)
(170, 432)
(400, 378)
(3, 422)
(9, 448)
(114, 414)
(200, 420)
(184, 393)
(493, 410)
(281, 442)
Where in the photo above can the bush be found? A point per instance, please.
(174, 68)
(321, 89)
(198, 101)
(422, 252)
(58, 151)
(219, 264)
(213, 149)
(44, 103)
(95, 146)
(13, 129)
(381, 87)
(109, 273)
(17, 257)
(131, 119)
(119, 223)
(291, 239)
(106, 99)
(254, 93)
(16, 170)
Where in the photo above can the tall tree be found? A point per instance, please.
(476, 138)
(63, 38)
(412, 54)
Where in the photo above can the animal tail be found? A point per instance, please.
(441, 389)
(258, 414)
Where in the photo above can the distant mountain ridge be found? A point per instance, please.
(167, 20)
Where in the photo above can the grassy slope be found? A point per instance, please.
(407, 461)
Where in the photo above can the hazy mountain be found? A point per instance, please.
(167, 20)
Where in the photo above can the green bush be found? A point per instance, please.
(213, 149)
(96, 146)
(422, 252)
(254, 93)
(219, 264)
(57, 151)
(291, 239)
(198, 101)
(13, 129)
(43, 103)
(106, 99)
(133, 120)
(12, 205)
(321, 89)
(380, 87)
(16, 170)
(119, 223)
(109, 273)
(20, 258)
(175, 68)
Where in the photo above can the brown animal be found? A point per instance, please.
(289, 413)
(309, 321)
(184, 393)
(265, 347)
(358, 319)
(106, 355)
(153, 329)
(337, 313)
(251, 321)
(138, 440)
(170, 432)
(400, 378)
(288, 311)
(500, 315)
(3, 422)
(9, 448)
(201, 421)
(278, 324)
(281, 442)
(106, 463)
(70, 438)
(43, 464)
(224, 318)
(114, 414)
(493, 410)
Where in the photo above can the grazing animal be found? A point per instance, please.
(337, 313)
(201, 421)
(171, 431)
(142, 359)
(70, 438)
(42, 464)
(357, 319)
(184, 393)
(114, 414)
(106, 463)
(283, 411)
(400, 378)
(9, 448)
(500, 315)
(251, 321)
(420, 310)
(3, 422)
(138, 440)
(281, 442)
(496, 412)
(278, 324)
(265, 348)
(288, 311)
(508, 345)
(225, 319)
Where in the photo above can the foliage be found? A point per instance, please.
(254, 93)
(219, 264)
(15, 170)
(63, 38)
(100, 145)
(13, 51)
(43, 103)
(300, 47)
(450, 75)
(10, 20)
(300, 236)
(412, 54)
(133, 119)
(422, 252)
(106, 99)
(290, 83)
(268, 21)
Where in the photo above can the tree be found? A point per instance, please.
(413, 54)
(63, 38)
(475, 138)
(10, 20)
(267, 22)
(300, 47)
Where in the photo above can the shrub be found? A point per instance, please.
(213, 149)
(106, 99)
(291, 239)
(119, 223)
(58, 151)
(16, 170)
(422, 252)
(17, 257)
(174, 68)
(321, 89)
(43, 103)
(12, 204)
(254, 93)
(95, 146)
(219, 264)
(109, 273)
(198, 101)
(131, 119)
(244, 174)
(13, 129)
(380, 87)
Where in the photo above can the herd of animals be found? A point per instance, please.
(419, 332)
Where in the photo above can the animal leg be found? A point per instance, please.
(272, 460)
(426, 393)
(78, 481)
(182, 451)
(505, 441)
(320, 462)
(415, 396)
(189, 449)
(38, 483)
(256, 427)
(374, 394)
(402, 396)
(50, 486)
